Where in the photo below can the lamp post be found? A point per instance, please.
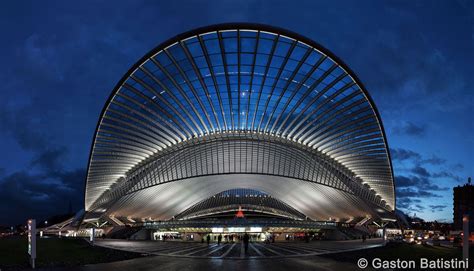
(465, 244)
(32, 241)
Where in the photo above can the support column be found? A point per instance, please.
(383, 225)
(92, 236)
(384, 234)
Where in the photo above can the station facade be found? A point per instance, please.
(239, 118)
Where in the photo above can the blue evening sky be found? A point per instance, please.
(60, 61)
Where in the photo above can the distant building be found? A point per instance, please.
(464, 204)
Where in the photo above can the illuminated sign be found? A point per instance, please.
(255, 229)
(217, 230)
(236, 229)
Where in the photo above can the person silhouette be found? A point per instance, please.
(246, 242)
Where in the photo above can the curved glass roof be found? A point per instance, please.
(240, 78)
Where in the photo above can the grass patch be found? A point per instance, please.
(55, 252)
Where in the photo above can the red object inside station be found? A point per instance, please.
(239, 214)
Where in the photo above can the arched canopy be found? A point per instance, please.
(240, 99)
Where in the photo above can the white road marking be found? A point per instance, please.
(256, 249)
(228, 251)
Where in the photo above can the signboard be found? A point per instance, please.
(32, 241)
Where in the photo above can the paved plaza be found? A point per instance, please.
(173, 255)
(163, 263)
(256, 250)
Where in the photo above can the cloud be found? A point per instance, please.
(49, 159)
(410, 205)
(24, 126)
(405, 203)
(415, 190)
(412, 193)
(409, 128)
(402, 181)
(426, 75)
(39, 195)
(400, 154)
(411, 200)
(419, 207)
(405, 155)
(419, 161)
(434, 160)
(447, 174)
(457, 166)
(420, 183)
(412, 129)
(437, 208)
(44, 193)
(421, 171)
